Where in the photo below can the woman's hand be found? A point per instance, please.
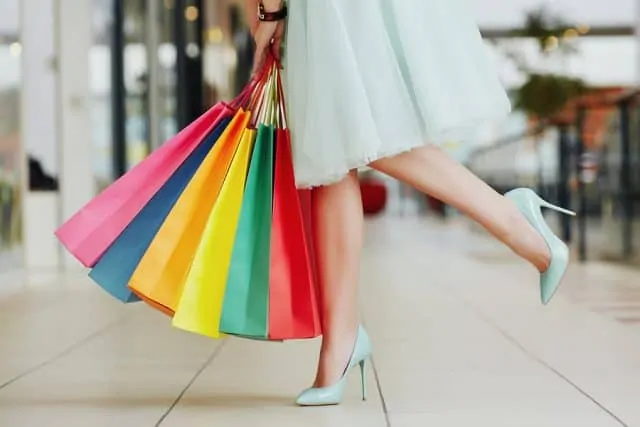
(277, 40)
(267, 35)
(263, 37)
(268, 38)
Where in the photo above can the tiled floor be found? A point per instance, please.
(460, 340)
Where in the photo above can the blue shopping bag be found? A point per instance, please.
(116, 266)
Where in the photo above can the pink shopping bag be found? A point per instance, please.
(89, 232)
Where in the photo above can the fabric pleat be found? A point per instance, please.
(367, 80)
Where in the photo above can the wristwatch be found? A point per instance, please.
(278, 15)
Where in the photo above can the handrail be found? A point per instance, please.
(596, 31)
(509, 140)
(630, 95)
(605, 101)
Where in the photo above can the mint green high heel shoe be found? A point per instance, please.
(332, 395)
(530, 204)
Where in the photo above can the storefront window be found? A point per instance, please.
(216, 50)
(10, 84)
(166, 61)
(228, 50)
(136, 69)
(100, 78)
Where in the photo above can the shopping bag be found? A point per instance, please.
(305, 195)
(114, 269)
(160, 275)
(293, 304)
(246, 298)
(200, 305)
(89, 232)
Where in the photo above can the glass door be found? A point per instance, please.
(163, 95)
(129, 85)
(136, 82)
(10, 151)
(188, 33)
(156, 71)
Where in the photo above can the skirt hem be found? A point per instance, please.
(335, 177)
(355, 162)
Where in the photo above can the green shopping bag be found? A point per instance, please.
(246, 299)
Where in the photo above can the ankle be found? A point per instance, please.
(527, 242)
(338, 337)
(336, 328)
(543, 260)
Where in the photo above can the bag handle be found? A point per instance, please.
(248, 93)
(262, 113)
(282, 101)
(264, 96)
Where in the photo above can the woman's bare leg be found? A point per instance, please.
(432, 171)
(338, 233)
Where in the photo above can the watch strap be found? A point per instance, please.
(278, 15)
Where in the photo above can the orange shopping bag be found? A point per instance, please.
(200, 306)
(160, 275)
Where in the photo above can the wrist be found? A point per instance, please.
(272, 5)
(270, 13)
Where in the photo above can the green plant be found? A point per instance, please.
(545, 94)
(10, 229)
(551, 32)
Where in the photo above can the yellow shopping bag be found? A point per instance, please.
(200, 307)
(160, 276)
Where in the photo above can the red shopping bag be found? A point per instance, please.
(88, 233)
(293, 300)
(304, 195)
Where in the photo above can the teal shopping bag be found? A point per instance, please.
(246, 299)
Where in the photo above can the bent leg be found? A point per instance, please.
(434, 172)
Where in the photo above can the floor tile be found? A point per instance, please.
(249, 377)
(459, 335)
(308, 417)
(505, 418)
(131, 374)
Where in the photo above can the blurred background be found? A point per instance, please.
(89, 87)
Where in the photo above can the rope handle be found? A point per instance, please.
(264, 96)
(246, 98)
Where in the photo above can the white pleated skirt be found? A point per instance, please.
(367, 79)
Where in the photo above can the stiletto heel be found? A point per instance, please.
(548, 205)
(530, 204)
(363, 379)
(332, 395)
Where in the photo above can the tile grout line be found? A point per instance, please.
(539, 360)
(63, 353)
(177, 400)
(563, 377)
(376, 376)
